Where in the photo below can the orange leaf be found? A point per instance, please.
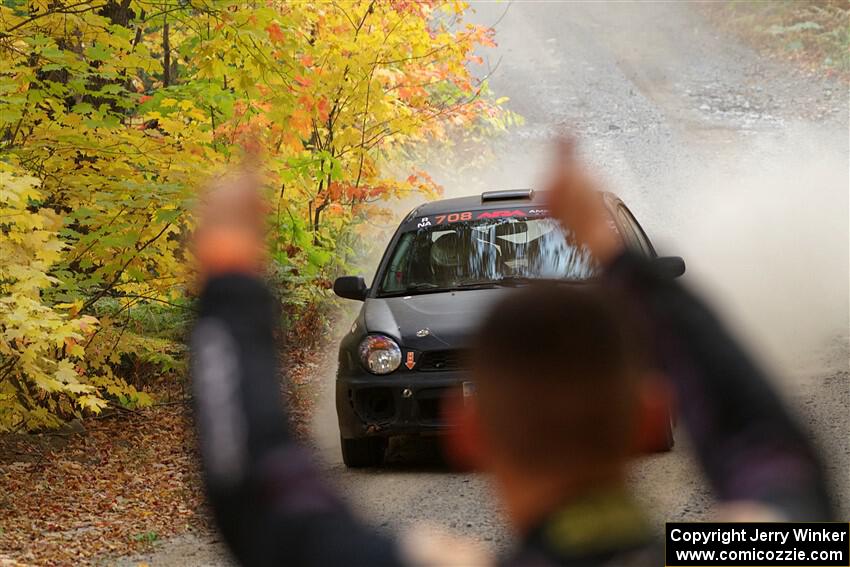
(275, 33)
(323, 109)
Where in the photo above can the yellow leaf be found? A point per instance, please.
(76, 350)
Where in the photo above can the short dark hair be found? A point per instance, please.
(555, 367)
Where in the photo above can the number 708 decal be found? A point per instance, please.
(453, 217)
(449, 218)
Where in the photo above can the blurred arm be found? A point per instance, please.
(266, 494)
(750, 447)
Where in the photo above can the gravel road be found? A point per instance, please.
(735, 162)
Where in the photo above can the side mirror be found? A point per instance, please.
(351, 287)
(670, 266)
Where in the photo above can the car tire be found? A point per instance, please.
(667, 440)
(671, 439)
(363, 452)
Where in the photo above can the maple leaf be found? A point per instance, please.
(323, 109)
(275, 33)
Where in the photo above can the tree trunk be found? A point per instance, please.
(166, 56)
(119, 13)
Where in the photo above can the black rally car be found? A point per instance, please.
(445, 266)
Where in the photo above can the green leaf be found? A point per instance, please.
(168, 216)
(83, 108)
(97, 53)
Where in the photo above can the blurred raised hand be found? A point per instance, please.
(575, 200)
(230, 237)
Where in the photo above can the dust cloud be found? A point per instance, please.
(760, 216)
(763, 225)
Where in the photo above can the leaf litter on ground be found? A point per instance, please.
(119, 484)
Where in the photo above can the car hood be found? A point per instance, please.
(450, 318)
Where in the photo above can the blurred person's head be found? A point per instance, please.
(558, 373)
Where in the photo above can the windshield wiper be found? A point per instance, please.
(421, 286)
(429, 287)
(514, 280)
(416, 287)
(510, 281)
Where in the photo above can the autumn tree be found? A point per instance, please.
(112, 112)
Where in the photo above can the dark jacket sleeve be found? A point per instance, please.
(749, 446)
(267, 496)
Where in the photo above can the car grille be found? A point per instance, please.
(443, 360)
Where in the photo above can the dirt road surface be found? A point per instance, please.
(732, 161)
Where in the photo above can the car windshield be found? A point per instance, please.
(483, 253)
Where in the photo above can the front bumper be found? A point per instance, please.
(405, 403)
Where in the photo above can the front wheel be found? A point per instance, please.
(363, 452)
(664, 439)
(669, 438)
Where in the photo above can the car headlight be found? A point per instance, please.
(380, 354)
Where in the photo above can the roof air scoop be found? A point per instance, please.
(510, 195)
